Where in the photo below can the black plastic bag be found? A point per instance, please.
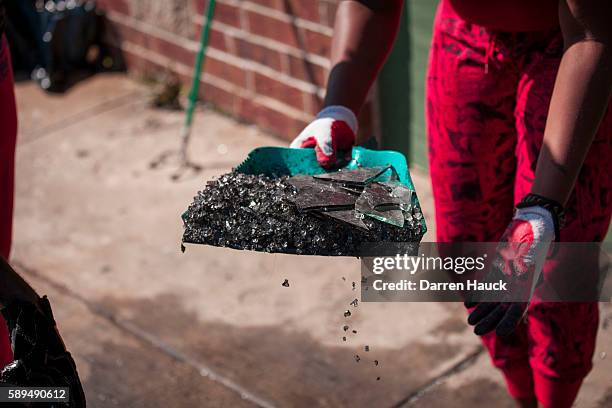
(55, 40)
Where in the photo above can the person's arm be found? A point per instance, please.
(580, 97)
(364, 33)
(579, 101)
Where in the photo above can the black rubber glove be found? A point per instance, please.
(40, 357)
(519, 260)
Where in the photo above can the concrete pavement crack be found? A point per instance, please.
(146, 337)
(458, 367)
(89, 113)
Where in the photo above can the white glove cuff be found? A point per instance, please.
(339, 112)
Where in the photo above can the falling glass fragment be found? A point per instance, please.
(343, 338)
(183, 248)
(286, 283)
(347, 313)
(354, 303)
(345, 327)
(367, 348)
(357, 358)
(376, 362)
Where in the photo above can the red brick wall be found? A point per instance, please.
(267, 60)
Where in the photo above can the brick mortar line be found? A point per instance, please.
(218, 54)
(269, 43)
(233, 32)
(279, 15)
(213, 80)
(265, 71)
(146, 337)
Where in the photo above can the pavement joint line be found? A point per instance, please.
(458, 367)
(78, 117)
(146, 337)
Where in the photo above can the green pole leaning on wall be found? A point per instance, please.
(195, 83)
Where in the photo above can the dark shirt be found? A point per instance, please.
(504, 15)
(1, 19)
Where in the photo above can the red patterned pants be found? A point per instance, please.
(8, 136)
(487, 101)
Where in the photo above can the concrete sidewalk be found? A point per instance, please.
(98, 229)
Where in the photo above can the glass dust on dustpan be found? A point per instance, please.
(377, 202)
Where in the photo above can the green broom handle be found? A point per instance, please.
(195, 84)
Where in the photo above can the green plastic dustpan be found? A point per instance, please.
(283, 161)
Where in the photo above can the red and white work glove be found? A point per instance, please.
(331, 134)
(520, 257)
(525, 242)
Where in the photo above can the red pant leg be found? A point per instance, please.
(8, 135)
(472, 139)
(471, 134)
(562, 335)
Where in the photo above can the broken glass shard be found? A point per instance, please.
(313, 194)
(348, 189)
(358, 177)
(323, 200)
(377, 202)
(401, 192)
(346, 216)
(361, 176)
(300, 181)
(380, 196)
